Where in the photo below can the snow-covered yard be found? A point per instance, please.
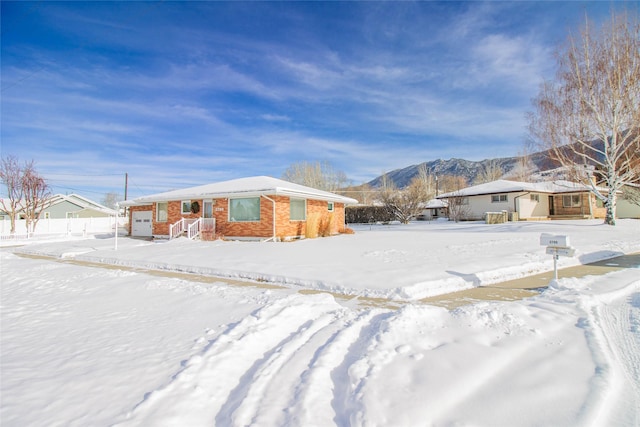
(84, 345)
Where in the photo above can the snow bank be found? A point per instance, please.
(390, 261)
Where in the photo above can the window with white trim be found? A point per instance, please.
(161, 211)
(498, 198)
(186, 207)
(246, 209)
(571, 201)
(330, 206)
(535, 198)
(297, 209)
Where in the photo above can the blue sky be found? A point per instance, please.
(185, 93)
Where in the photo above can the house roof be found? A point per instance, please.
(435, 204)
(505, 186)
(243, 187)
(82, 202)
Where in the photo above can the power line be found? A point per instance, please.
(76, 174)
(79, 190)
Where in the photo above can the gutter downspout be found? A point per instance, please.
(273, 203)
(515, 208)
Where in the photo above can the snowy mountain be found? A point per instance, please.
(466, 168)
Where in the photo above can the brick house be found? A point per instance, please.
(258, 207)
(526, 200)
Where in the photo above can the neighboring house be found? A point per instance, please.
(71, 206)
(74, 206)
(4, 215)
(258, 207)
(434, 209)
(540, 200)
(628, 208)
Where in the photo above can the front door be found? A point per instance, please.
(207, 209)
(552, 210)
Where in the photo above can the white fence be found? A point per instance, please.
(70, 226)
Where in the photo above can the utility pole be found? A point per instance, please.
(126, 184)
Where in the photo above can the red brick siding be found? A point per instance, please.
(338, 217)
(136, 209)
(224, 227)
(174, 214)
(263, 228)
(316, 209)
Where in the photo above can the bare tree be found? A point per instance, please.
(319, 175)
(11, 174)
(427, 180)
(491, 171)
(364, 194)
(524, 168)
(27, 192)
(632, 194)
(36, 195)
(403, 204)
(589, 116)
(458, 206)
(110, 199)
(451, 183)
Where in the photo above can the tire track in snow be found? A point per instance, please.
(613, 332)
(620, 324)
(197, 393)
(322, 386)
(262, 392)
(347, 399)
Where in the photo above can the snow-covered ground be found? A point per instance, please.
(86, 345)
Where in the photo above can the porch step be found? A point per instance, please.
(570, 217)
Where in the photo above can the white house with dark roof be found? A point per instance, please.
(527, 200)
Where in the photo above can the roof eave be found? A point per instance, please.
(278, 191)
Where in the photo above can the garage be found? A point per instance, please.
(141, 224)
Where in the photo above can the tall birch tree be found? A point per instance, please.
(589, 115)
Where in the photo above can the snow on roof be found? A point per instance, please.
(505, 186)
(243, 187)
(435, 204)
(82, 202)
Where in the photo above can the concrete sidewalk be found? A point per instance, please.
(531, 285)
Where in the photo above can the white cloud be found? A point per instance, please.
(275, 118)
(519, 61)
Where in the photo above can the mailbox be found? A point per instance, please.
(557, 245)
(561, 251)
(558, 240)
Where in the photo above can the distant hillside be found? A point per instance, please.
(460, 167)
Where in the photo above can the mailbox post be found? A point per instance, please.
(557, 245)
(116, 236)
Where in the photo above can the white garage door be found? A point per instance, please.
(141, 224)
